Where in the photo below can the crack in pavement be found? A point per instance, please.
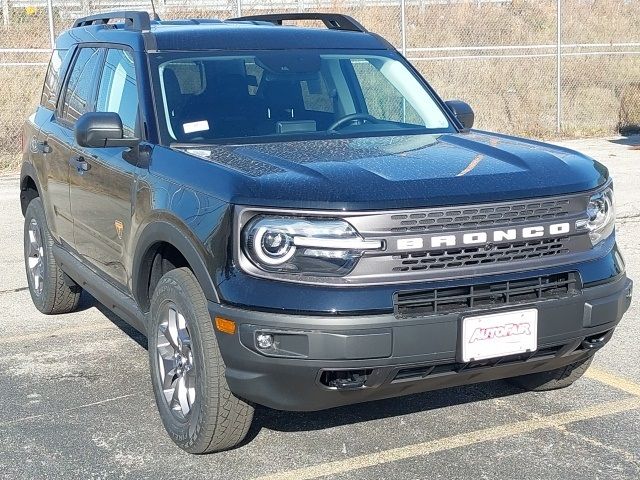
(628, 218)
(14, 290)
(629, 457)
(92, 327)
(70, 409)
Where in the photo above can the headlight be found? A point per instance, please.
(601, 216)
(304, 245)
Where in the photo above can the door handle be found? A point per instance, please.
(44, 147)
(80, 164)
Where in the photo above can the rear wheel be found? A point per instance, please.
(196, 406)
(553, 379)
(51, 290)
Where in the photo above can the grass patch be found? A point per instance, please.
(20, 90)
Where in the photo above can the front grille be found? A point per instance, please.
(480, 217)
(486, 295)
(471, 256)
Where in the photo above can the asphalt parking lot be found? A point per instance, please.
(76, 400)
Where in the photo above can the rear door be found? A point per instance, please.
(101, 179)
(39, 133)
(75, 99)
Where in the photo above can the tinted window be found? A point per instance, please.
(316, 95)
(52, 80)
(80, 85)
(383, 99)
(190, 76)
(297, 93)
(118, 91)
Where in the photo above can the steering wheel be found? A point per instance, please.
(365, 117)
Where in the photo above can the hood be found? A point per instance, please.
(400, 171)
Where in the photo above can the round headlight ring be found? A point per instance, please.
(598, 211)
(600, 216)
(273, 247)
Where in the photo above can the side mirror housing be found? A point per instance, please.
(463, 112)
(102, 129)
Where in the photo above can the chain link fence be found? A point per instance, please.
(540, 68)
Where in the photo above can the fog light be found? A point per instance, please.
(264, 340)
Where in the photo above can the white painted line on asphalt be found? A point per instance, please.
(614, 381)
(60, 412)
(456, 441)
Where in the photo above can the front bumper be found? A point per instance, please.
(398, 356)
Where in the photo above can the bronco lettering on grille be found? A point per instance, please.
(479, 238)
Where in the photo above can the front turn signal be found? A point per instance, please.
(225, 326)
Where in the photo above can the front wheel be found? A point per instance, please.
(198, 410)
(553, 379)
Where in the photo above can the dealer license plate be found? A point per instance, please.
(499, 334)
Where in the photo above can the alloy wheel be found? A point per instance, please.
(35, 257)
(175, 362)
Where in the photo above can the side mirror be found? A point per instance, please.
(102, 129)
(463, 112)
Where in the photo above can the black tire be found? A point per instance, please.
(52, 291)
(216, 419)
(553, 379)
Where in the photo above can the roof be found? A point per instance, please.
(247, 36)
(210, 34)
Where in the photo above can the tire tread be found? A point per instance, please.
(60, 294)
(230, 418)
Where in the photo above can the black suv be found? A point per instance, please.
(295, 219)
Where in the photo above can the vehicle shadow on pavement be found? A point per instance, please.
(630, 140)
(87, 301)
(376, 410)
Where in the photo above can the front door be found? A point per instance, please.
(101, 180)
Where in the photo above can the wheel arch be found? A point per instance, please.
(29, 186)
(154, 237)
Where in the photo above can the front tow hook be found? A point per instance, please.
(596, 342)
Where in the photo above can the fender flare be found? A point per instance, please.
(183, 240)
(28, 170)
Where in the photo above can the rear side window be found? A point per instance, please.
(80, 85)
(52, 80)
(118, 91)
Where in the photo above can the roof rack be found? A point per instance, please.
(334, 21)
(133, 20)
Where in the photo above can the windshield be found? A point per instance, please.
(284, 95)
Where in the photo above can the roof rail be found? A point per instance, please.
(334, 21)
(133, 20)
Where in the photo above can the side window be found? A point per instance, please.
(52, 80)
(80, 85)
(382, 99)
(118, 91)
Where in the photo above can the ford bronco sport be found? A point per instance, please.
(295, 219)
